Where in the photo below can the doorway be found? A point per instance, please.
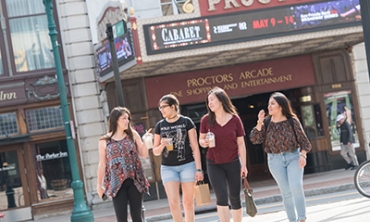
(14, 199)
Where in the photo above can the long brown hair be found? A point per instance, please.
(115, 114)
(284, 103)
(227, 105)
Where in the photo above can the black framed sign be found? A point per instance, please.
(125, 55)
(249, 25)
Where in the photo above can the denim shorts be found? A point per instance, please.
(181, 173)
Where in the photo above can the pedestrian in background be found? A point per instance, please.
(286, 145)
(226, 155)
(175, 138)
(347, 151)
(120, 168)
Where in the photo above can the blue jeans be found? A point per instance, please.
(289, 177)
(181, 173)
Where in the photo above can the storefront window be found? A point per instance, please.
(29, 35)
(311, 123)
(44, 118)
(340, 103)
(53, 172)
(8, 124)
(11, 191)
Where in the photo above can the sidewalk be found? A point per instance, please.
(264, 192)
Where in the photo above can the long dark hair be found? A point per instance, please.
(284, 103)
(171, 100)
(115, 114)
(227, 105)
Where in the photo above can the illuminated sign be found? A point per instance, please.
(214, 7)
(230, 28)
(178, 34)
(125, 56)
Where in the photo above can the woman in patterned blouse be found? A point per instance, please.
(286, 149)
(120, 168)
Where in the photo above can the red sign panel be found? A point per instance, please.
(215, 7)
(241, 80)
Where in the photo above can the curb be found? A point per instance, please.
(264, 200)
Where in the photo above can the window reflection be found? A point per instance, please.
(11, 191)
(30, 40)
(53, 172)
(340, 103)
(31, 43)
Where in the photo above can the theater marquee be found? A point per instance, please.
(240, 27)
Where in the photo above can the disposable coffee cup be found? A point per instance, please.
(169, 144)
(148, 140)
(211, 140)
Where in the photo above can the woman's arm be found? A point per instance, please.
(101, 166)
(242, 155)
(141, 147)
(192, 133)
(303, 141)
(159, 145)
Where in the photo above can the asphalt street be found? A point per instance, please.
(345, 206)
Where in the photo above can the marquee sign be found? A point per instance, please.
(215, 7)
(230, 28)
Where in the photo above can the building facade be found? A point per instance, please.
(310, 50)
(35, 172)
(184, 47)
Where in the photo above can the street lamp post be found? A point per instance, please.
(80, 213)
(113, 52)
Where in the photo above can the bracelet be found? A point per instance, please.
(259, 122)
(199, 170)
(304, 156)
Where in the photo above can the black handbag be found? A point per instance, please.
(249, 202)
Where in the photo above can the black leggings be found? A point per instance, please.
(128, 193)
(223, 176)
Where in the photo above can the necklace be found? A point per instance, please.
(173, 117)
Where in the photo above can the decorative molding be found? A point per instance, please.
(42, 83)
(188, 7)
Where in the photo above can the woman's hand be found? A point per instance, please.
(302, 161)
(243, 171)
(164, 142)
(100, 191)
(147, 132)
(204, 142)
(261, 115)
(199, 176)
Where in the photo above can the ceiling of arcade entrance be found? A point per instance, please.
(244, 55)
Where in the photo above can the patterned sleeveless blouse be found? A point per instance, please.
(123, 163)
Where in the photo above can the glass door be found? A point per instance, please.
(12, 196)
(340, 103)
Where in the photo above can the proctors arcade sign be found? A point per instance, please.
(242, 80)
